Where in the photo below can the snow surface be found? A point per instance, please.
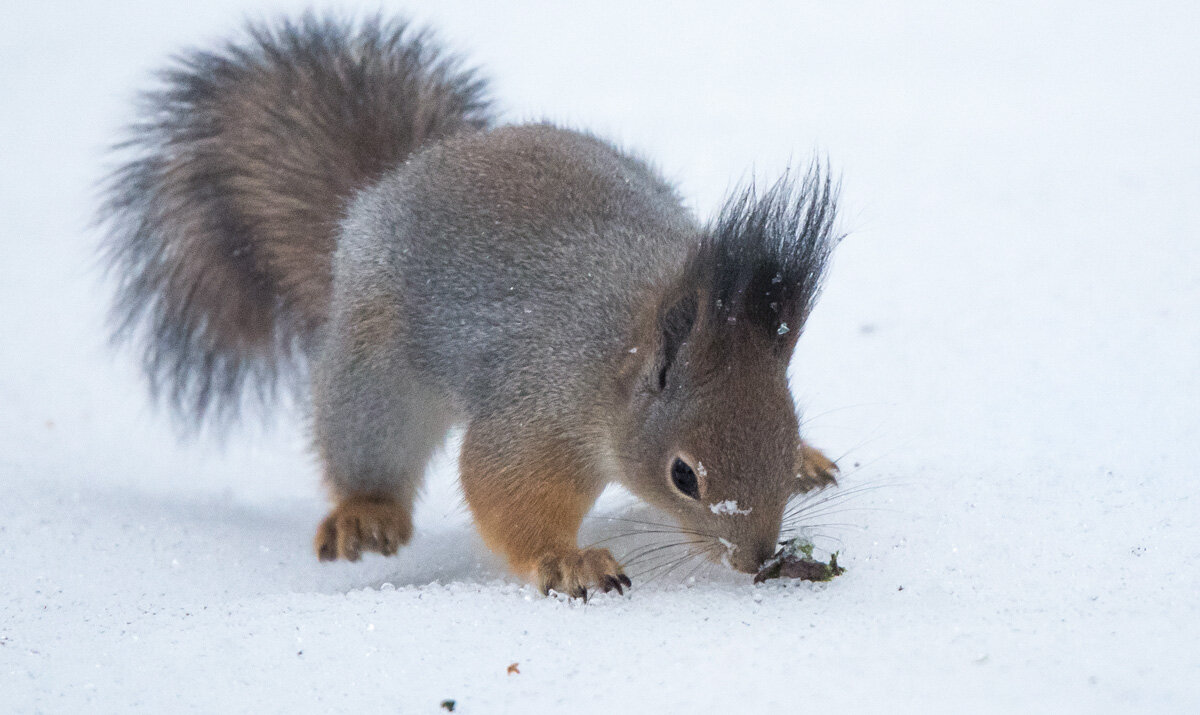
(1005, 361)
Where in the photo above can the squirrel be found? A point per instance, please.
(332, 205)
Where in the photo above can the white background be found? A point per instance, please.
(1007, 348)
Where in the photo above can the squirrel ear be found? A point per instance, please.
(765, 254)
(674, 327)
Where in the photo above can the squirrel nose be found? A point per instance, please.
(750, 558)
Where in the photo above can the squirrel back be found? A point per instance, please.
(527, 254)
(221, 222)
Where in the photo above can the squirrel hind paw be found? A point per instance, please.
(573, 572)
(361, 524)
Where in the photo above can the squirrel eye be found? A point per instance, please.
(684, 479)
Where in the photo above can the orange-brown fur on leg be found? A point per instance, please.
(813, 469)
(364, 523)
(528, 501)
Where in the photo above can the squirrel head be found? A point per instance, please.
(712, 432)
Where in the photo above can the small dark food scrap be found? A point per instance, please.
(794, 559)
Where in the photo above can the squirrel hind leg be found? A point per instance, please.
(377, 424)
(374, 470)
(374, 464)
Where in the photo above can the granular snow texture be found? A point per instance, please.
(1005, 361)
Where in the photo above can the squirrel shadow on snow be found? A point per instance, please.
(220, 541)
(654, 551)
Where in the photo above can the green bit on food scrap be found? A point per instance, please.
(794, 559)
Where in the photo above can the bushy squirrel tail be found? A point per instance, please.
(222, 219)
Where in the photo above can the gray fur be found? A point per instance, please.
(488, 261)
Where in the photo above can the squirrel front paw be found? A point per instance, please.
(574, 571)
(361, 524)
(814, 469)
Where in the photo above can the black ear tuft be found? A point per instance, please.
(764, 256)
(675, 325)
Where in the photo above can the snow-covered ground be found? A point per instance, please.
(1007, 359)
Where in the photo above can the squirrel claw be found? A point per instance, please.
(612, 582)
(574, 572)
(361, 524)
(815, 470)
